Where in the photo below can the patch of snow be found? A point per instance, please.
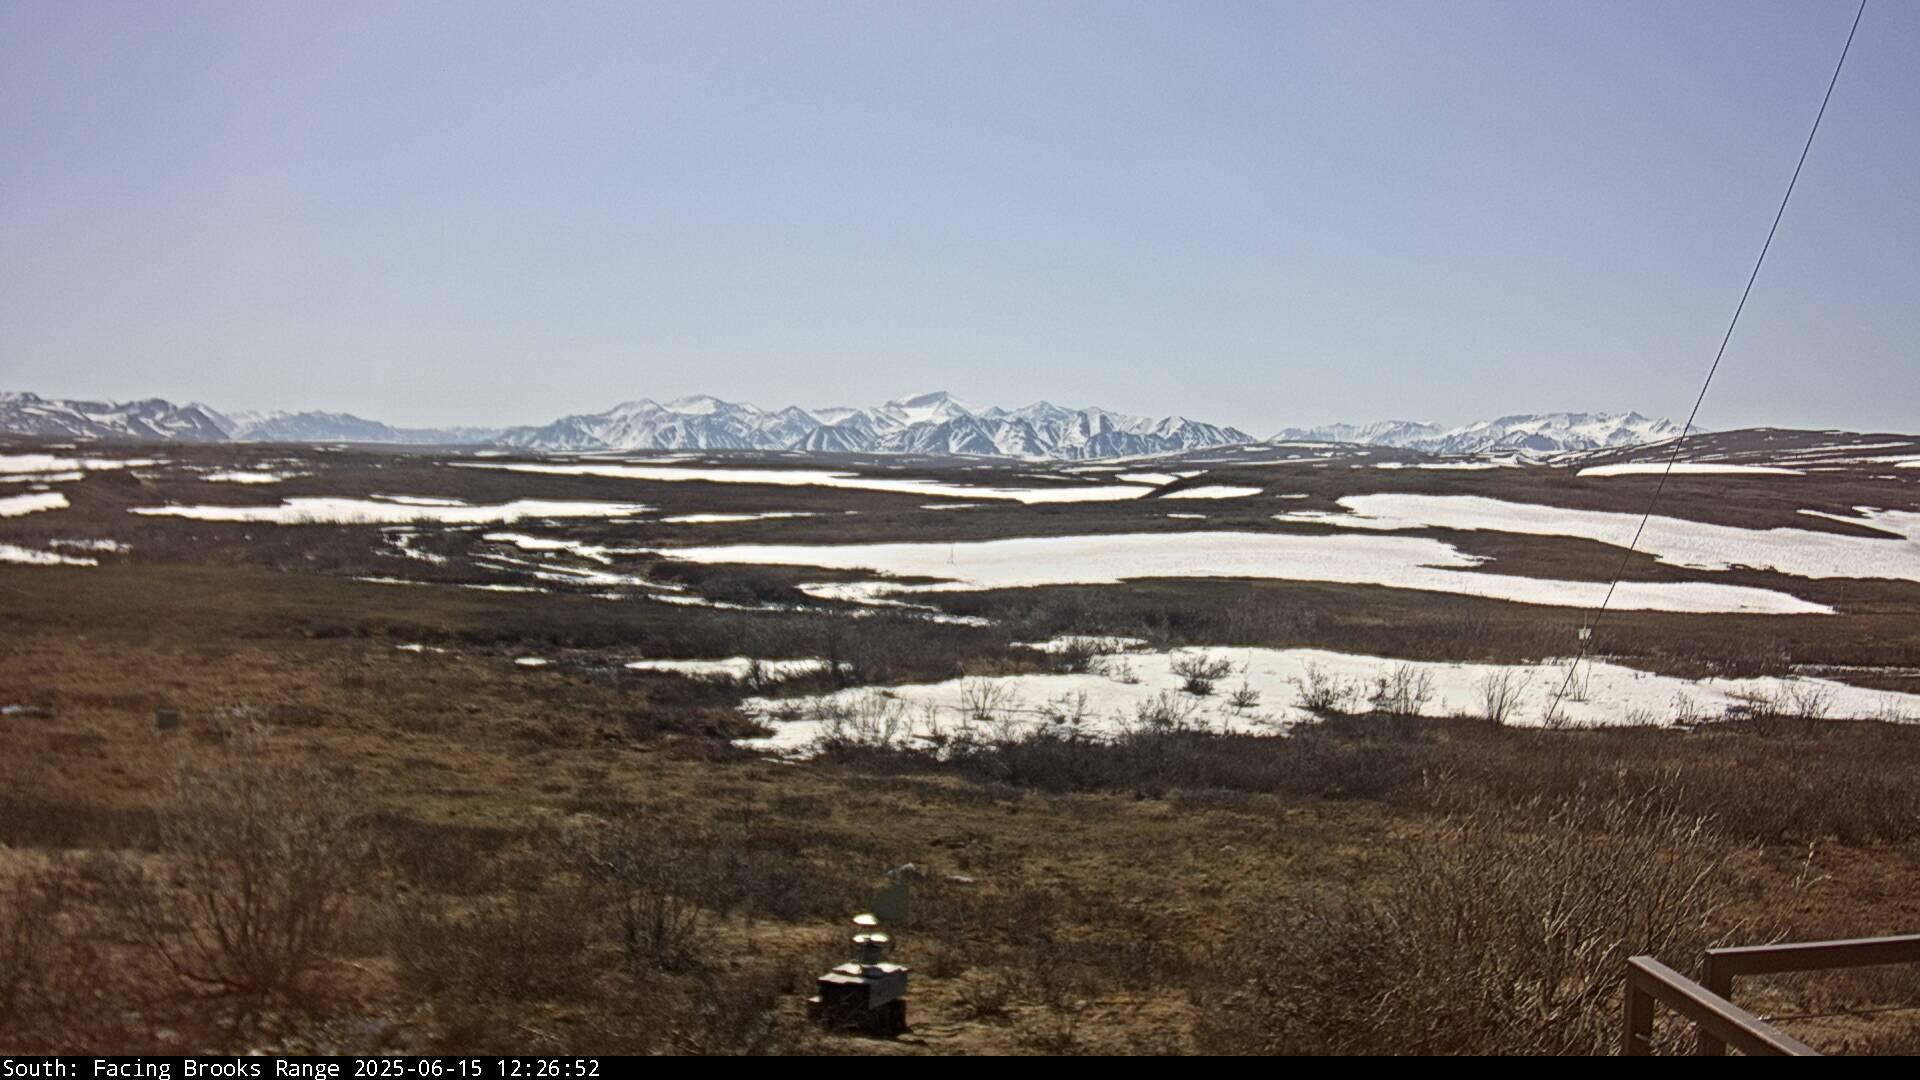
(114, 547)
(1463, 466)
(344, 511)
(19, 505)
(46, 463)
(250, 477)
(1214, 491)
(558, 574)
(1685, 468)
(10, 553)
(420, 500)
(595, 552)
(403, 540)
(1604, 694)
(733, 667)
(721, 519)
(1099, 642)
(723, 605)
(1693, 544)
(1398, 562)
(821, 478)
(531, 661)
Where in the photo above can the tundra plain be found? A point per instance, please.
(1263, 748)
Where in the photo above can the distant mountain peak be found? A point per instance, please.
(704, 405)
(931, 397)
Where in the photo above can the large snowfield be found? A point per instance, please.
(1397, 561)
(19, 505)
(1600, 694)
(394, 510)
(1697, 545)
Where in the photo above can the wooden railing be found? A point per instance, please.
(1709, 1005)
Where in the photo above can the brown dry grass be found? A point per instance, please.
(556, 846)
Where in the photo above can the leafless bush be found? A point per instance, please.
(756, 678)
(1071, 711)
(986, 994)
(1164, 713)
(1640, 717)
(725, 1014)
(1199, 672)
(1889, 711)
(1323, 692)
(260, 858)
(1243, 697)
(1117, 668)
(1808, 700)
(871, 720)
(986, 701)
(1507, 934)
(1402, 690)
(1499, 692)
(526, 943)
(659, 891)
(439, 857)
(1078, 654)
(42, 960)
(1776, 712)
(1054, 1032)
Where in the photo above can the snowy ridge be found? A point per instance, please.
(933, 423)
(31, 414)
(1533, 432)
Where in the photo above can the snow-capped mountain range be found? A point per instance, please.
(1532, 432)
(31, 414)
(933, 423)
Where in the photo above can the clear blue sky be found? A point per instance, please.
(1261, 214)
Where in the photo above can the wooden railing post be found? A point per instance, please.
(1637, 1039)
(1718, 980)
